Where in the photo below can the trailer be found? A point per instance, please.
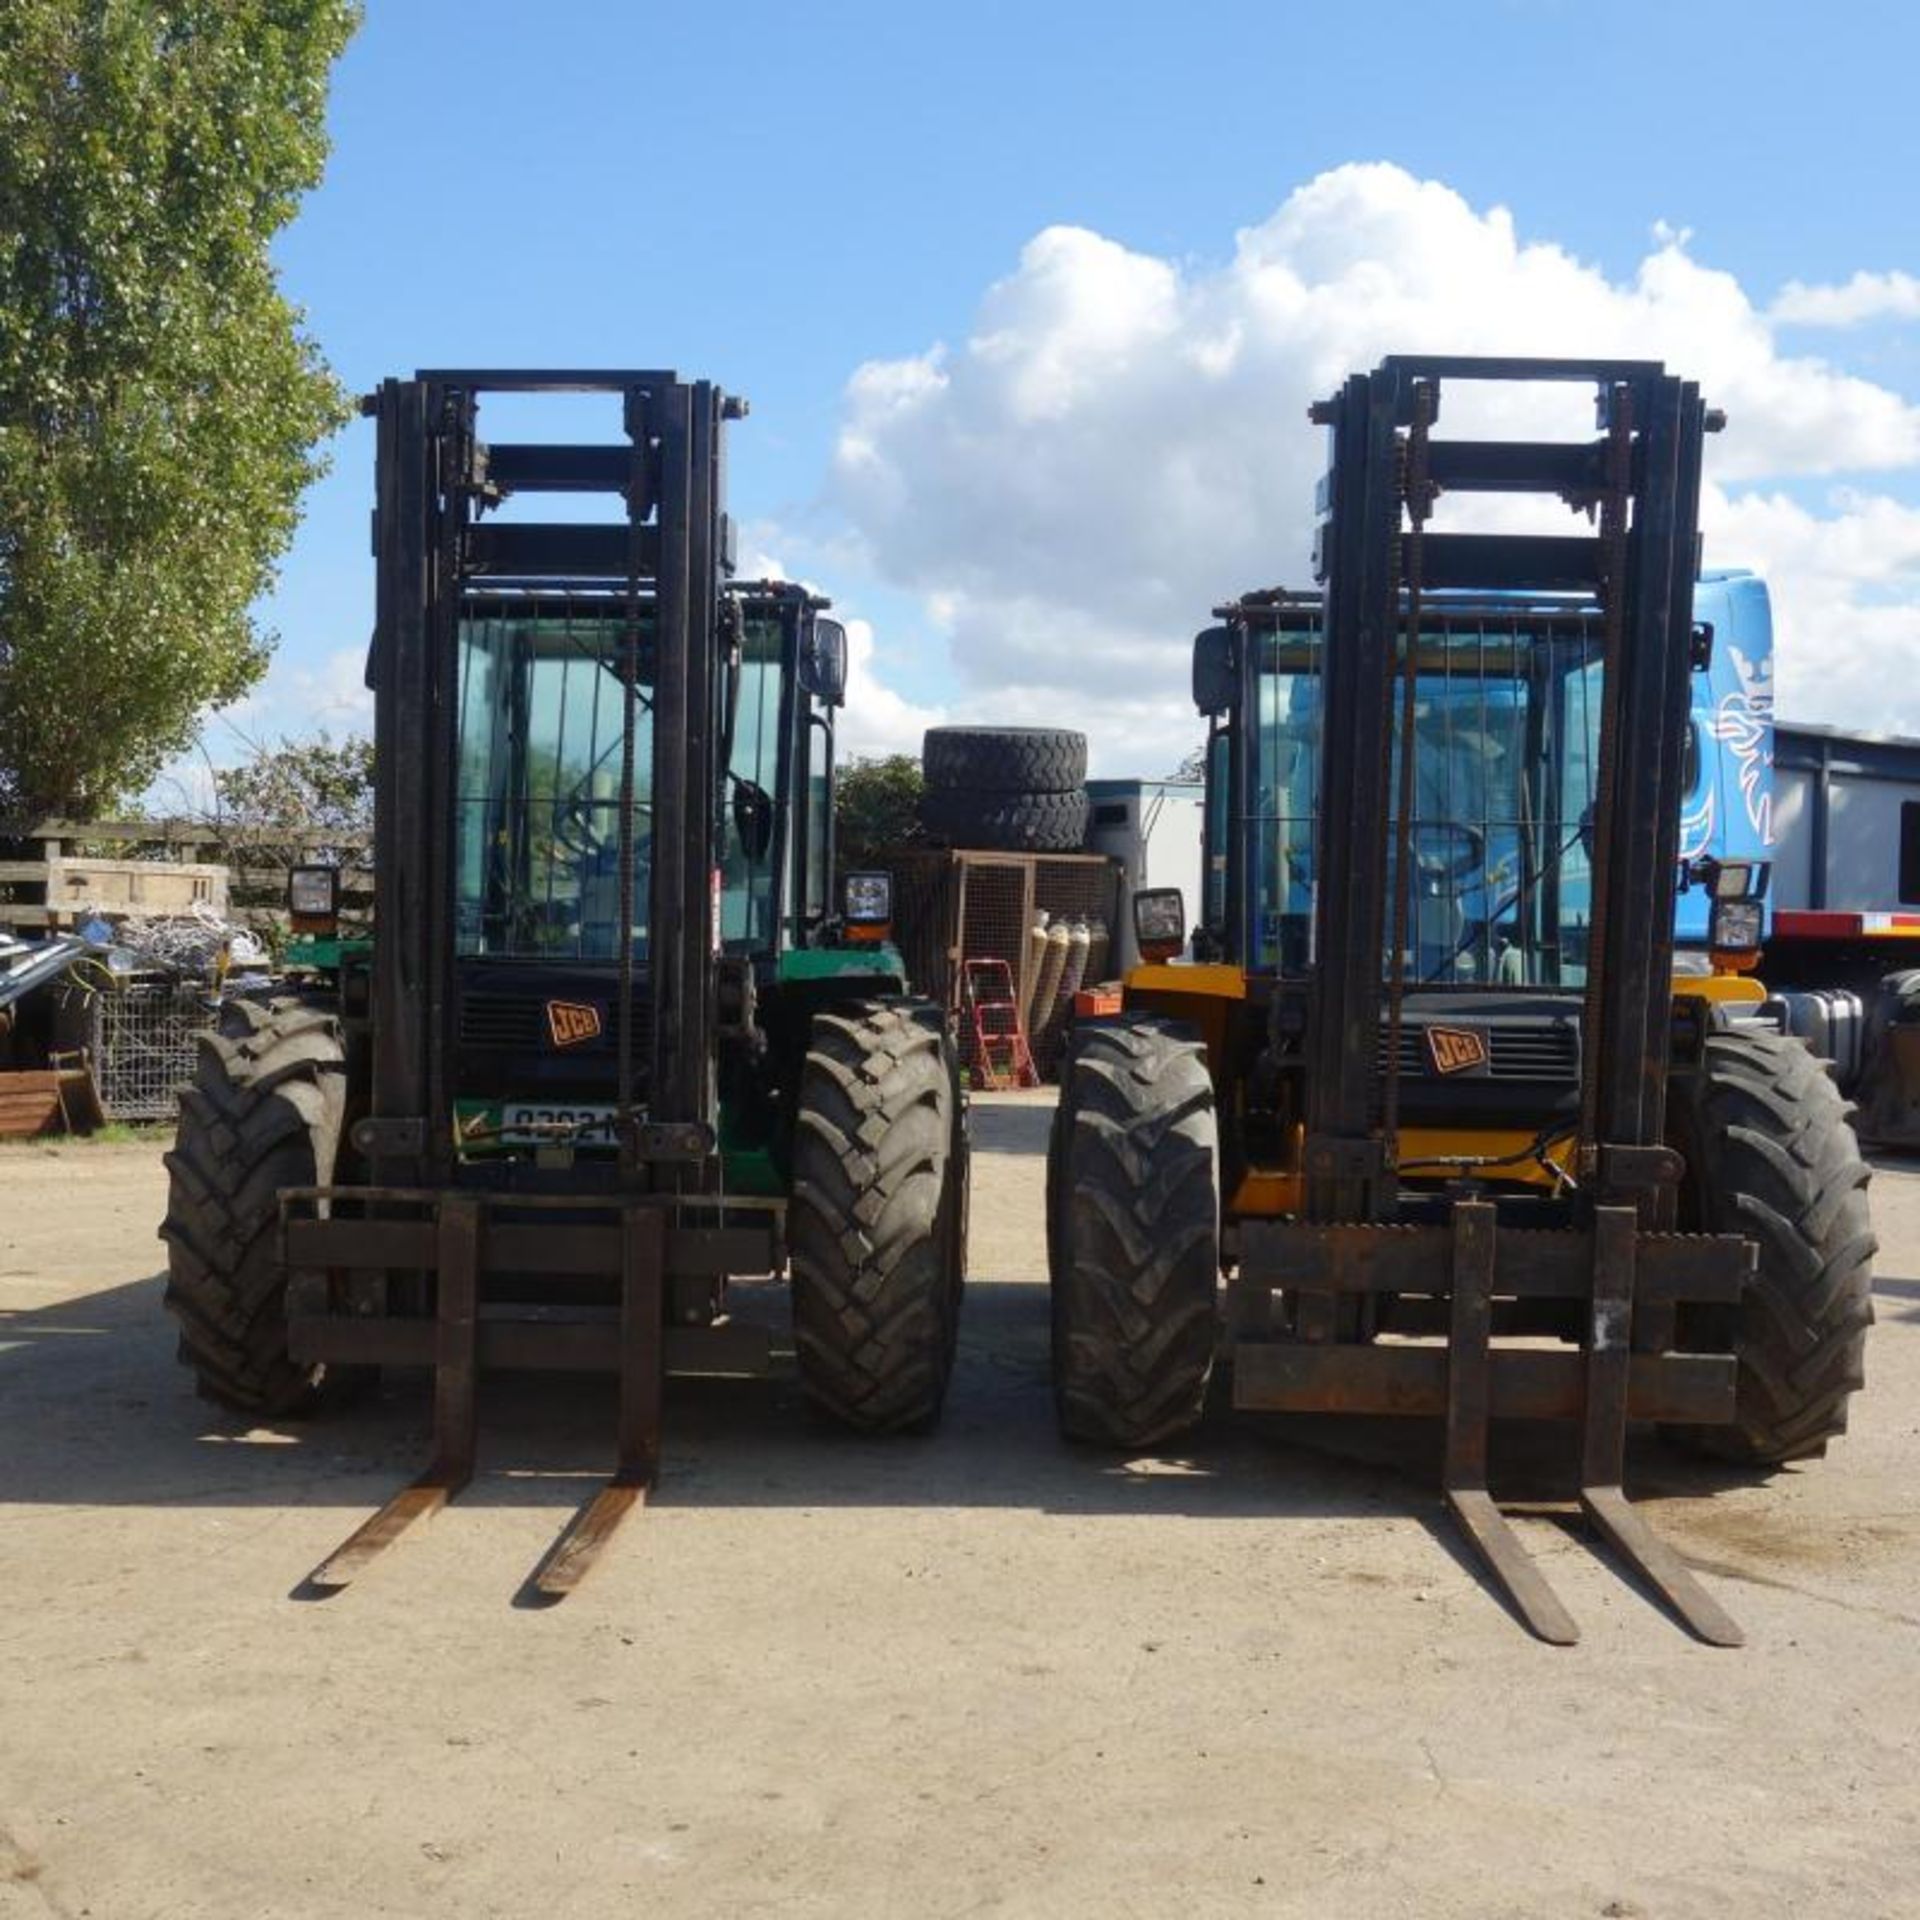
(1842, 953)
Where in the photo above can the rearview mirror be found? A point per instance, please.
(823, 660)
(1213, 670)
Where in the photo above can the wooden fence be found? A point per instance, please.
(117, 868)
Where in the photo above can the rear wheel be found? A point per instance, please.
(1133, 1228)
(876, 1223)
(264, 1113)
(1770, 1154)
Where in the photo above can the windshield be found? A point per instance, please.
(537, 857)
(1506, 713)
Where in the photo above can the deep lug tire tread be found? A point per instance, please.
(875, 1220)
(264, 1113)
(1006, 822)
(1011, 760)
(1133, 1234)
(1772, 1154)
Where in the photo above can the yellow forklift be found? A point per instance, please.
(1437, 1123)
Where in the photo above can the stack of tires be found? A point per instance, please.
(1005, 789)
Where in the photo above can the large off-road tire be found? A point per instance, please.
(264, 1112)
(1005, 822)
(1133, 1233)
(1005, 759)
(1770, 1154)
(876, 1221)
(1889, 1086)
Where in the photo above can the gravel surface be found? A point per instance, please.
(975, 1674)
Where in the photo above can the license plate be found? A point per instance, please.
(526, 1123)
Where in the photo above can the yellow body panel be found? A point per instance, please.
(1722, 989)
(1213, 982)
(1203, 995)
(1265, 1193)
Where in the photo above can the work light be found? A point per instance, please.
(313, 893)
(866, 899)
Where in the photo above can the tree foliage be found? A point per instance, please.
(160, 407)
(876, 808)
(314, 796)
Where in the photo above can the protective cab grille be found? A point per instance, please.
(517, 1023)
(1541, 1050)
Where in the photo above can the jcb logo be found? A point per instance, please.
(571, 1024)
(1456, 1049)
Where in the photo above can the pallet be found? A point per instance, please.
(38, 1101)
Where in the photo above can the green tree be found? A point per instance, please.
(876, 808)
(318, 792)
(160, 408)
(291, 805)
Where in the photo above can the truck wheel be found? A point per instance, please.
(1889, 1085)
(264, 1112)
(1005, 759)
(1770, 1154)
(876, 1221)
(1133, 1233)
(1005, 822)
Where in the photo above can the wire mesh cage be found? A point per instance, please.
(1049, 917)
(144, 1045)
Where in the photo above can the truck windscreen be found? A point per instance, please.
(1506, 716)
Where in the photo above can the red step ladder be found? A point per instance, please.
(1001, 1056)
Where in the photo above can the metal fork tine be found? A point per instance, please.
(1663, 1569)
(424, 1498)
(642, 1286)
(454, 1388)
(1603, 1451)
(1469, 1407)
(1512, 1567)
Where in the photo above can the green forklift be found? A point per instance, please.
(615, 1040)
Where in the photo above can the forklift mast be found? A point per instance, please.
(1639, 482)
(666, 557)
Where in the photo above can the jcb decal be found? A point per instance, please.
(572, 1024)
(1456, 1049)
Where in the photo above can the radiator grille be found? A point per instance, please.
(1518, 1052)
(517, 1023)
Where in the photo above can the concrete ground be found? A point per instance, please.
(976, 1674)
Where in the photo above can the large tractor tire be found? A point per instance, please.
(1770, 1154)
(264, 1112)
(1005, 759)
(1889, 1084)
(876, 1223)
(1005, 822)
(1133, 1234)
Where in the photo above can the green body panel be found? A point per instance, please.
(882, 963)
(315, 953)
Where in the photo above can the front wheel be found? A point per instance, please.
(264, 1113)
(1770, 1154)
(876, 1223)
(1133, 1233)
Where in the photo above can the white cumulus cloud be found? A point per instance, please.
(1118, 441)
(1867, 296)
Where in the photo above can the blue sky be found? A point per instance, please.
(776, 196)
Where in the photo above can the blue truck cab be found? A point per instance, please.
(1728, 813)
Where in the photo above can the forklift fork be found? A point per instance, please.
(642, 1378)
(1608, 1359)
(457, 1245)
